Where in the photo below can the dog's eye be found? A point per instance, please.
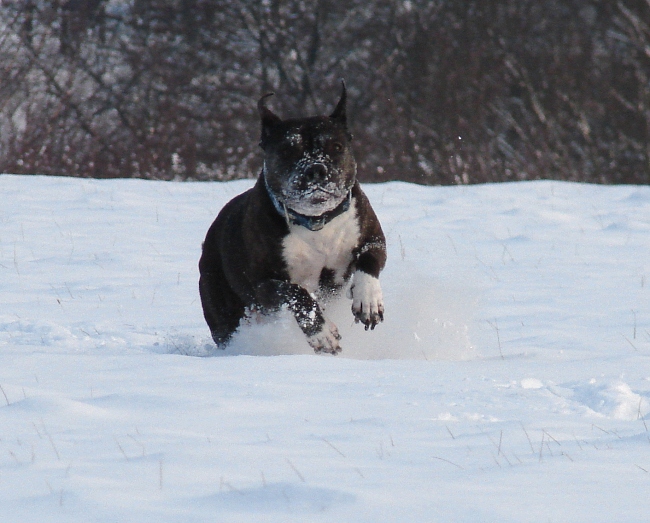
(337, 147)
(293, 142)
(291, 150)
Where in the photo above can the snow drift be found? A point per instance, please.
(509, 382)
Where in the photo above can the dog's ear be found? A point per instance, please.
(268, 118)
(339, 112)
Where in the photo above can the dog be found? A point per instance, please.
(298, 237)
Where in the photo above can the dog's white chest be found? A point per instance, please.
(307, 253)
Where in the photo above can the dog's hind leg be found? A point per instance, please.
(222, 308)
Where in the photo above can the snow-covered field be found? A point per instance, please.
(509, 382)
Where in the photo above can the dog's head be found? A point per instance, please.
(308, 162)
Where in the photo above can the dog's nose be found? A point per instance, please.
(316, 172)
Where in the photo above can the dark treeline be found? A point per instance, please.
(440, 92)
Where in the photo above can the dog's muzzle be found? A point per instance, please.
(313, 223)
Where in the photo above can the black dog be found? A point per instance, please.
(298, 236)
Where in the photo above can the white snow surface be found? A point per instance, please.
(510, 381)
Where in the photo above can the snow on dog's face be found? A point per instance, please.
(308, 162)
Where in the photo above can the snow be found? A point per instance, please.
(510, 381)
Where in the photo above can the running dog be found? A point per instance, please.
(298, 237)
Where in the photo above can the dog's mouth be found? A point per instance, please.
(319, 195)
(315, 200)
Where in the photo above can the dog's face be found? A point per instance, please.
(309, 165)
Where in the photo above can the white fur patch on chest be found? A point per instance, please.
(307, 253)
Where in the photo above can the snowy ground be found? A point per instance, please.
(509, 382)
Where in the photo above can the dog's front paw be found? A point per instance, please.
(367, 300)
(326, 340)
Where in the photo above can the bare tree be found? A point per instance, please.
(440, 92)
